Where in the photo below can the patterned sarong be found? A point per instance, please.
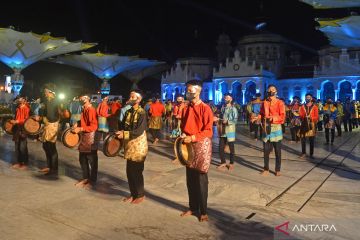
(202, 157)
(87, 142)
(330, 124)
(50, 131)
(275, 135)
(155, 122)
(136, 149)
(103, 125)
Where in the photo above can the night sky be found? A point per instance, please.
(167, 30)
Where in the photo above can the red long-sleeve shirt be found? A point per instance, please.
(314, 113)
(22, 113)
(197, 120)
(157, 109)
(103, 110)
(274, 109)
(88, 120)
(115, 108)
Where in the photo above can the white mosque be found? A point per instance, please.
(262, 59)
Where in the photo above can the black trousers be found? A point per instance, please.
(267, 149)
(257, 129)
(303, 145)
(51, 156)
(155, 133)
(89, 165)
(320, 125)
(134, 172)
(338, 128)
(293, 132)
(355, 122)
(327, 130)
(21, 150)
(222, 142)
(348, 122)
(197, 185)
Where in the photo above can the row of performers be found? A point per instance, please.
(196, 125)
(331, 116)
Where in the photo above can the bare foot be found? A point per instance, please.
(221, 166)
(175, 161)
(186, 213)
(138, 200)
(265, 172)
(45, 170)
(277, 173)
(16, 166)
(128, 199)
(204, 218)
(23, 167)
(231, 167)
(81, 183)
(87, 185)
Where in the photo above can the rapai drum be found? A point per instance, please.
(31, 126)
(112, 145)
(70, 139)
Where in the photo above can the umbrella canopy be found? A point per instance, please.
(105, 66)
(344, 32)
(18, 50)
(323, 4)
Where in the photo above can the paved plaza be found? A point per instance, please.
(313, 199)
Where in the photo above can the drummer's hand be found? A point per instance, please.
(187, 139)
(183, 135)
(36, 118)
(13, 121)
(225, 121)
(216, 119)
(75, 125)
(120, 134)
(77, 130)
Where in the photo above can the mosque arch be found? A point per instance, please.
(237, 92)
(327, 90)
(250, 91)
(297, 91)
(357, 94)
(345, 90)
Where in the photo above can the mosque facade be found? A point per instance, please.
(263, 59)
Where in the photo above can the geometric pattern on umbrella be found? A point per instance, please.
(21, 49)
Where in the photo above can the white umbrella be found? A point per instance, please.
(333, 3)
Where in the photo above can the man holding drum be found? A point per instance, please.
(50, 117)
(88, 157)
(133, 131)
(21, 114)
(196, 127)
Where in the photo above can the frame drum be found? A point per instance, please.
(70, 139)
(31, 126)
(112, 145)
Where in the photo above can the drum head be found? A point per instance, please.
(184, 152)
(70, 139)
(112, 145)
(8, 127)
(31, 126)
